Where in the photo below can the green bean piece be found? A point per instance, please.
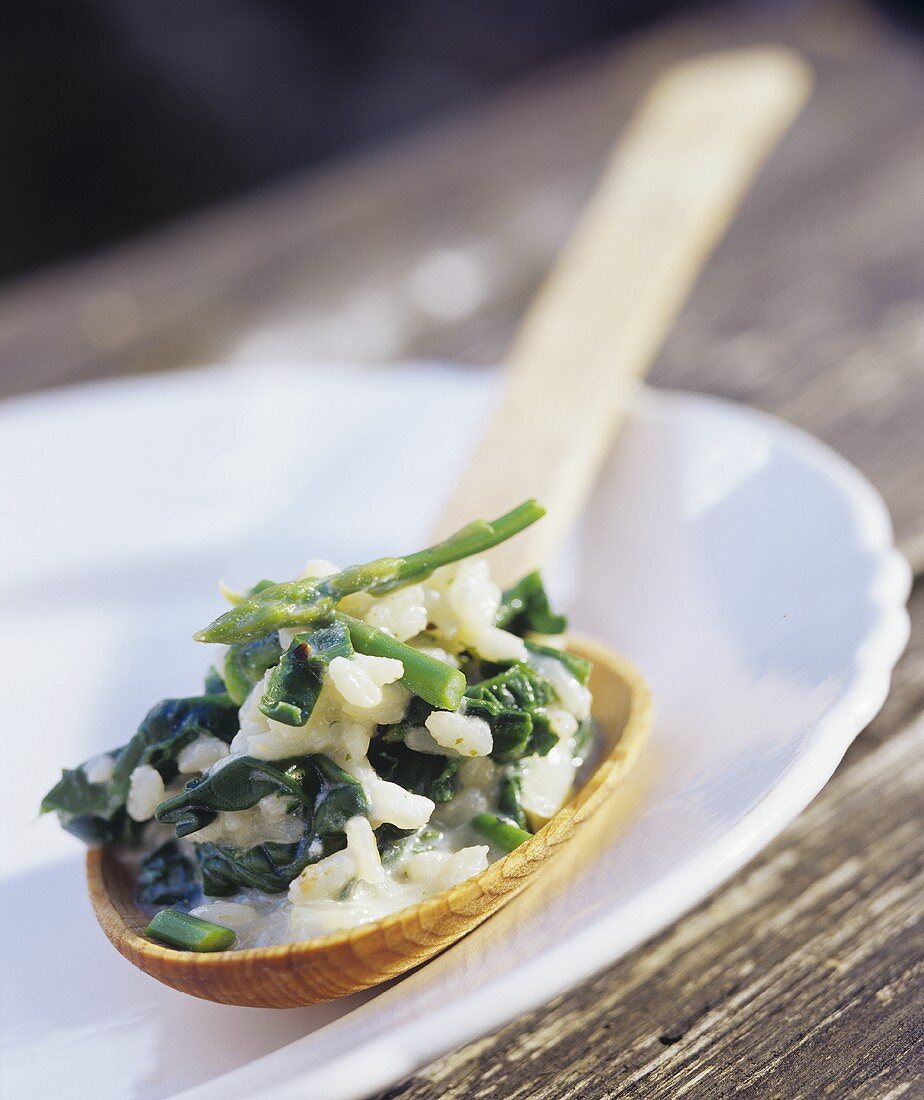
(301, 603)
(188, 933)
(502, 834)
(434, 681)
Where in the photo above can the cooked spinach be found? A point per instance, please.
(322, 793)
(95, 812)
(245, 665)
(167, 877)
(295, 683)
(578, 667)
(526, 607)
(512, 703)
(509, 802)
(89, 811)
(269, 867)
(167, 729)
(393, 842)
(419, 772)
(214, 684)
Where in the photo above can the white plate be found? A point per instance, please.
(749, 570)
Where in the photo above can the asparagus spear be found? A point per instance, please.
(301, 603)
(189, 933)
(434, 681)
(501, 833)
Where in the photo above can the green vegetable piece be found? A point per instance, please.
(246, 664)
(509, 802)
(434, 681)
(579, 668)
(167, 877)
(214, 684)
(295, 683)
(269, 867)
(393, 843)
(502, 834)
(423, 773)
(511, 703)
(95, 812)
(75, 794)
(525, 607)
(180, 930)
(89, 811)
(326, 795)
(304, 603)
(583, 739)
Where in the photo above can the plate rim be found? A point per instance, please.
(381, 1061)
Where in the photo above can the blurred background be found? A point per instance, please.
(192, 181)
(122, 114)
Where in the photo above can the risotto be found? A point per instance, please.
(367, 738)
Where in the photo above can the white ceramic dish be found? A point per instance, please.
(749, 571)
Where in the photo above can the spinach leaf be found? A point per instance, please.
(246, 664)
(324, 794)
(95, 812)
(576, 666)
(512, 703)
(268, 867)
(295, 683)
(214, 684)
(509, 802)
(419, 772)
(166, 730)
(393, 842)
(75, 794)
(88, 812)
(339, 797)
(526, 607)
(416, 715)
(167, 877)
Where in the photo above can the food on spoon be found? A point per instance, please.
(369, 738)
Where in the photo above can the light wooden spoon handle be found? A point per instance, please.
(667, 195)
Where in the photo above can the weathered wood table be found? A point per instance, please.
(802, 977)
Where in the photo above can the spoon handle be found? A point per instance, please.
(668, 192)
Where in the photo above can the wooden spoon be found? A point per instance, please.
(666, 196)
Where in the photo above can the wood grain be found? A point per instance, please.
(345, 962)
(668, 193)
(800, 979)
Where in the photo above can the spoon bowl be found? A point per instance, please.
(344, 962)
